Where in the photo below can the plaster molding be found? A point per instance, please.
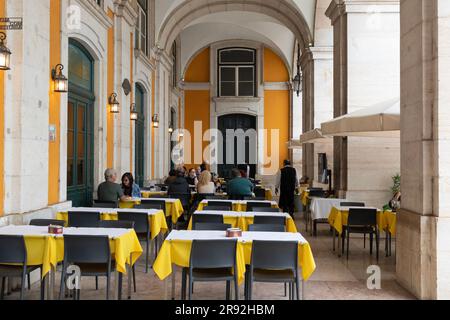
(97, 12)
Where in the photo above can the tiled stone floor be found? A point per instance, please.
(334, 279)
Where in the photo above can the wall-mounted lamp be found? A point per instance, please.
(133, 112)
(297, 81)
(155, 121)
(5, 53)
(60, 80)
(114, 103)
(181, 135)
(170, 129)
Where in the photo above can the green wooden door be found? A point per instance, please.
(139, 140)
(80, 118)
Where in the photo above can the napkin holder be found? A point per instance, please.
(52, 229)
(234, 233)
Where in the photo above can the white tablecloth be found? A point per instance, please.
(244, 214)
(321, 207)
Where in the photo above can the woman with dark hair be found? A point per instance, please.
(130, 188)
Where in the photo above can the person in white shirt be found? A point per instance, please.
(205, 184)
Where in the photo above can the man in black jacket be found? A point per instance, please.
(287, 184)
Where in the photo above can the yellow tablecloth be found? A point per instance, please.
(178, 252)
(304, 197)
(244, 222)
(390, 222)
(238, 207)
(338, 219)
(173, 209)
(269, 195)
(148, 194)
(157, 221)
(48, 251)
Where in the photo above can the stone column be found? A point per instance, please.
(366, 72)
(317, 70)
(423, 244)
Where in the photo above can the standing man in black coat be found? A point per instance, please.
(287, 184)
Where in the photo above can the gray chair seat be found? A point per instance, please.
(15, 271)
(273, 275)
(221, 274)
(92, 269)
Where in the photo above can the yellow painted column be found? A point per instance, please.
(54, 104)
(2, 125)
(110, 116)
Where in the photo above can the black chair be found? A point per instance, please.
(199, 226)
(93, 262)
(361, 221)
(150, 202)
(274, 262)
(142, 228)
(185, 199)
(236, 197)
(267, 209)
(106, 204)
(266, 228)
(317, 193)
(260, 193)
(251, 205)
(47, 222)
(352, 204)
(158, 196)
(226, 204)
(254, 198)
(150, 206)
(211, 261)
(206, 218)
(215, 208)
(14, 251)
(213, 197)
(279, 220)
(118, 225)
(82, 219)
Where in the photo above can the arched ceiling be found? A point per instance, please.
(236, 25)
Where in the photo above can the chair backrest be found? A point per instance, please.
(266, 228)
(274, 255)
(255, 198)
(116, 224)
(211, 226)
(86, 249)
(317, 193)
(185, 198)
(149, 206)
(259, 209)
(159, 196)
(83, 219)
(213, 254)
(212, 197)
(280, 220)
(140, 219)
(236, 197)
(105, 204)
(260, 193)
(352, 204)
(206, 218)
(162, 203)
(12, 249)
(214, 208)
(220, 204)
(47, 222)
(362, 217)
(251, 205)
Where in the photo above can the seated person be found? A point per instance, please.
(192, 178)
(179, 185)
(130, 188)
(205, 184)
(110, 191)
(239, 187)
(172, 177)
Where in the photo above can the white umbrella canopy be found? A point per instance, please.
(313, 136)
(380, 120)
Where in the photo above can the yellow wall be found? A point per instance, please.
(198, 70)
(2, 125)
(54, 104)
(197, 103)
(110, 116)
(274, 68)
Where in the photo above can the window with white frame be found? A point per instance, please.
(141, 26)
(237, 72)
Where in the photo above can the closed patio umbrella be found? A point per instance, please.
(294, 144)
(313, 136)
(380, 120)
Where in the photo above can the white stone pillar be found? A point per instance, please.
(317, 69)
(423, 245)
(366, 72)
